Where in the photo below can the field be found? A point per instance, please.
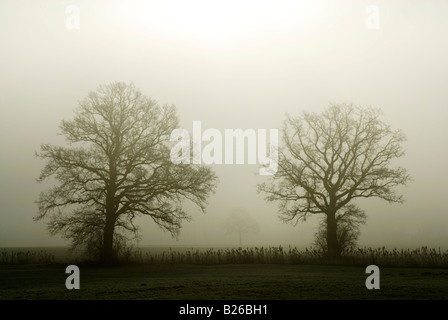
(179, 280)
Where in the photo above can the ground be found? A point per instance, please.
(221, 282)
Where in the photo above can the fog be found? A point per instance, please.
(230, 64)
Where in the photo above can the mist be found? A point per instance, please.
(230, 65)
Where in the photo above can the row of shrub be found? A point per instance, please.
(16, 257)
(420, 257)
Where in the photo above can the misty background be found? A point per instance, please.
(231, 64)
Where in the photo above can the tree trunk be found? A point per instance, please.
(332, 240)
(108, 240)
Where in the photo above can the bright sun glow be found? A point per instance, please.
(207, 22)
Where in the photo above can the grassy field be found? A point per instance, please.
(226, 282)
(179, 280)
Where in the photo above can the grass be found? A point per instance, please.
(420, 257)
(221, 282)
(19, 257)
(254, 273)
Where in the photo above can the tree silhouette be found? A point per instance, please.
(240, 222)
(117, 167)
(332, 158)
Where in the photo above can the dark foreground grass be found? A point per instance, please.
(258, 273)
(221, 282)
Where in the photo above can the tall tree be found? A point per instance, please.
(331, 159)
(117, 167)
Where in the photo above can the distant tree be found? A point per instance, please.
(117, 167)
(330, 159)
(240, 222)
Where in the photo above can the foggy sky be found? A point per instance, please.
(231, 64)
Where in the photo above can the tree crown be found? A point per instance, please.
(117, 166)
(329, 159)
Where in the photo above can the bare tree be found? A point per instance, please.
(332, 158)
(240, 222)
(117, 167)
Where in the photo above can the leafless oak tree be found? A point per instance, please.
(330, 159)
(117, 167)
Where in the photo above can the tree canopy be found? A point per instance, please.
(330, 159)
(116, 167)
